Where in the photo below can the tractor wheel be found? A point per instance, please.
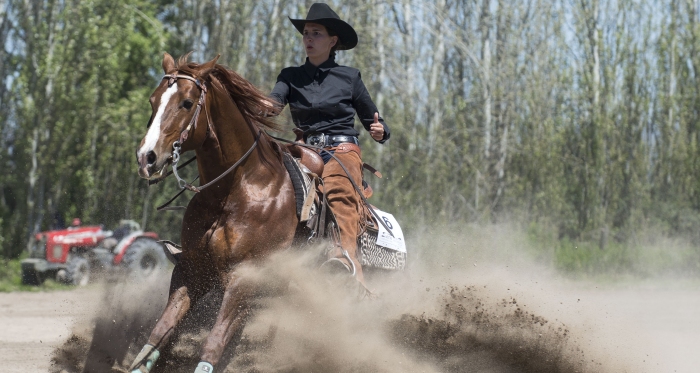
(32, 277)
(145, 258)
(77, 271)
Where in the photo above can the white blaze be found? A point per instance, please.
(154, 131)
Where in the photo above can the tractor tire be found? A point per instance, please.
(32, 277)
(145, 258)
(77, 271)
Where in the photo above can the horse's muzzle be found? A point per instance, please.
(149, 167)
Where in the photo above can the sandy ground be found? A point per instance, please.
(652, 329)
(659, 326)
(32, 325)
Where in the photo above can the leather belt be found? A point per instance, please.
(323, 140)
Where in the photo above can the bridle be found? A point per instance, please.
(184, 135)
(172, 78)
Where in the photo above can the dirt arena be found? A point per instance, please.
(492, 315)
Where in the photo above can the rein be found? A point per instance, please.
(185, 185)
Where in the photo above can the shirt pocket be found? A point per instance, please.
(300, 114)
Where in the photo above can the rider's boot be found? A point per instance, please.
(344, 201)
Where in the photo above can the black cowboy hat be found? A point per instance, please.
(323, 15)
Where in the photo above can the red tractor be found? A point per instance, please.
(72, 255)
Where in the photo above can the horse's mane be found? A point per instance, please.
(247, 97)
(251, 102)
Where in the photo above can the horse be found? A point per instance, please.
(248, 210)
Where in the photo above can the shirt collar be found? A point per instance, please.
(325, 66)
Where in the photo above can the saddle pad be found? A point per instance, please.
(373, 255)
(302, 185)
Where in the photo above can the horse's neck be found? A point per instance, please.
(234, 138)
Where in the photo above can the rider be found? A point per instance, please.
(323, 98)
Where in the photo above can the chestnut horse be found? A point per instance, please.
(240, 219)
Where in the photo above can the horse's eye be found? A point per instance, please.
(187, 104)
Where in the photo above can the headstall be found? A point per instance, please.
(177, 145)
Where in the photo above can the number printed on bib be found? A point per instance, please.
(384, 238)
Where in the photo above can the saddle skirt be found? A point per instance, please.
(304, 182)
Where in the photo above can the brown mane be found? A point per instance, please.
(248, 98)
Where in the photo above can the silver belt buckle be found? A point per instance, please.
(317, 140)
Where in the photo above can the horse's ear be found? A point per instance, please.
(210, 64)
(168, 63)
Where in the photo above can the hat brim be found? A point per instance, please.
(346, 34)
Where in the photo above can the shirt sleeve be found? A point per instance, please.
(365, 107)
(281, 91)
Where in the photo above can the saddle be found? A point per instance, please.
(314, 163)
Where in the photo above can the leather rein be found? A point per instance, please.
(184, 135)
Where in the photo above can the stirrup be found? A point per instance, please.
(335, 265)
(347, 256)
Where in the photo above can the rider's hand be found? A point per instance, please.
(376, 129)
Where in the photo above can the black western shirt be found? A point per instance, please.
(324, 99)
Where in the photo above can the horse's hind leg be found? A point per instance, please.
(183, 294)
(235, 308)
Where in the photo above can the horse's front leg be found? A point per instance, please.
(235, 308)
(182, 296)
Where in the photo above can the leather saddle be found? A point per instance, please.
(314, 163)
(307, 157)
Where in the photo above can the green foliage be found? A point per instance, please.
(580, 117)
(79, 106)
(650, 255)
(588, 259)
(11, 279)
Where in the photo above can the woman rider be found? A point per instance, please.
(323, 98)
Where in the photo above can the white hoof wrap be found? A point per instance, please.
(204, 367)
(145, 360)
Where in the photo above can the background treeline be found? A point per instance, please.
(581, 116)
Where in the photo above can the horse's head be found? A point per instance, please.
(174, 106)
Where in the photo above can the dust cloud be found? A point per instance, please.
(469, 301)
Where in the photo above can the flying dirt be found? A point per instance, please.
(468, 303)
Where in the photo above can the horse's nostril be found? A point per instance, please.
(151, 157)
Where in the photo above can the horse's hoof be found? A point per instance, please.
(204, 367)
(145, 360)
